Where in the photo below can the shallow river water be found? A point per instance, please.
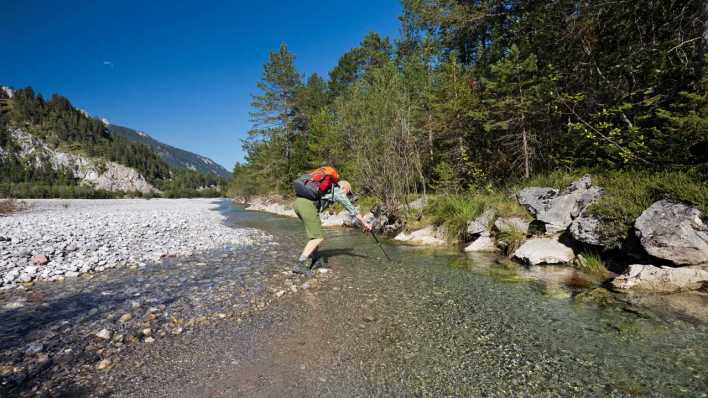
(432, 323)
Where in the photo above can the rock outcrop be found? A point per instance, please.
(482, 225)
(544, 251)
(426, 236)
(662, 279)
(674, 232)
(586, 229)
(100, 174)
(557, 209)
(512, 223)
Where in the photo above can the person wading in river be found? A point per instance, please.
(315, 191)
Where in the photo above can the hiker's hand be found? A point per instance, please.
(367, 227)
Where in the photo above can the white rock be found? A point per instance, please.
(544, 251)
(425, 236)
(482, 244)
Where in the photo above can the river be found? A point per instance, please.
(431, 323)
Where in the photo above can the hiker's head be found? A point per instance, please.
(346, 186)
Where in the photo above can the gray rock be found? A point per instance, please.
(507, 224)
(482, 244)
(674, 232)
(586, 229)
(544, 251)
(481, 225)
(34, 348)
(663, 279)
(557, 209)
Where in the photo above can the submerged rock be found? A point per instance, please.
(557, 209)
(425, 236)
(663, 279)
(544, 251)
(674, 232)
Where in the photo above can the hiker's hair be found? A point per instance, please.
(345, 185)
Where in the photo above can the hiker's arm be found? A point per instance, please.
(342, 198)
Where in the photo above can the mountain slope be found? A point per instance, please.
(175, 157)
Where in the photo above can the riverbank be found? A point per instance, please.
(57, 239)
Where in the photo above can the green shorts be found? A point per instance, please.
(306, 211)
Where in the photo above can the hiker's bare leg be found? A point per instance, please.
(310, 247)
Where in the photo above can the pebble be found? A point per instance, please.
(95, 235)
(104, 364)
(149, 340)
(125, 318)
(34, 348)
(104, 334)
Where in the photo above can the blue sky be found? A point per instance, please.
(181, 71)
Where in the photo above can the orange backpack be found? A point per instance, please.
(316, 183)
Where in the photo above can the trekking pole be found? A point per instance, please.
(378, 243)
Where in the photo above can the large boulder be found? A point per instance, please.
(557, 209)
(586, 229)
(674, 232)
(481, 226)
(663, 280)
(426, 236)
(544, 251)
(482, 244)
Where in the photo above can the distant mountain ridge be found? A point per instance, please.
(175, 157)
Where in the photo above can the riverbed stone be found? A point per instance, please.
(674, 232)
(104, 334)
(544, 251)
(664, 279)
(40, 260)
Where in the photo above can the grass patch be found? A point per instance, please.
(592, 264)
(453, 212)
(510, 239)
(629, 193)
(505, 204)
(555, 179)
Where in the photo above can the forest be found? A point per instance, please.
(478, 97)
(60, 125)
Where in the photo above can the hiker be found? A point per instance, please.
(315, 191)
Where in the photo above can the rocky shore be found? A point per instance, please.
(57, 239)
(666, 250)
